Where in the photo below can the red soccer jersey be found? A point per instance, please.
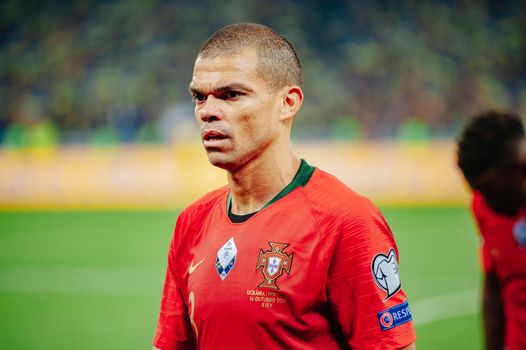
(504, 253)
(314, 270)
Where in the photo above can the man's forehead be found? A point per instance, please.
(212, 72)
(215, 82)
(245, 60)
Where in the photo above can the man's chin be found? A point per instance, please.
(220, 161)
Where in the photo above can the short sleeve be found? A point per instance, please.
(173, 329)
(364, 287)
(481, 213)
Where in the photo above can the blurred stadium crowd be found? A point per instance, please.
(107, 72)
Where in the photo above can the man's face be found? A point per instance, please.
(504, 189)
(239, 115)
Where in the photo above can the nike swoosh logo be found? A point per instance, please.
(192, 267)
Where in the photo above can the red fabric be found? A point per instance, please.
(332, 234)
(502, 254)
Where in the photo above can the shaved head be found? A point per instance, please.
(278, 63)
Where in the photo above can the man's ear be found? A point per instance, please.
(292, 99)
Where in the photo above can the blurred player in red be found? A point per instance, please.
(492, 156)
(285, 256)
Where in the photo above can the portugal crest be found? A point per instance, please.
(273, 262)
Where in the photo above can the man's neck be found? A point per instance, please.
(258, 182)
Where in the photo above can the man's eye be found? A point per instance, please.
(231, 94)
(198, 98)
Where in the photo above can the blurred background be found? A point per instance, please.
(103, 72)
(99, 149)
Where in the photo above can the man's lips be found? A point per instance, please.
(208, 135)
(213, 138)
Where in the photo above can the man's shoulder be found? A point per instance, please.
(206, 202)
(328, 193)
(335, 206)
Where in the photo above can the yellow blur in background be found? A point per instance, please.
(161, 176)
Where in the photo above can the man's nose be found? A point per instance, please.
(209, 111)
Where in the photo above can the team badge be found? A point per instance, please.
(226, 258)
(385, 273)
(519, 232)
(394, 316)
(273, 262)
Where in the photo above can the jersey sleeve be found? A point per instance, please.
(174, 329)
(481, 213)
(364, 288)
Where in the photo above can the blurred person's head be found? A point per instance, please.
(246, 86)
(492, 157)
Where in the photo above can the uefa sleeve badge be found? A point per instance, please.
(395, 316)
(385, 273)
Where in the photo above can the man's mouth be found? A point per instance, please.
(213, 138)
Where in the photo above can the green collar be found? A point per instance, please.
(300, 179)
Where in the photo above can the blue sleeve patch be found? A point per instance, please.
(394, 316)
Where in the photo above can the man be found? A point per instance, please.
(285, 256)
(492, 156)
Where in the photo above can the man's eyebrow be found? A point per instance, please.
(228, 87)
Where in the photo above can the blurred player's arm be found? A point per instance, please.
(493, 313)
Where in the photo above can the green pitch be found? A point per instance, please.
(93, 280)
